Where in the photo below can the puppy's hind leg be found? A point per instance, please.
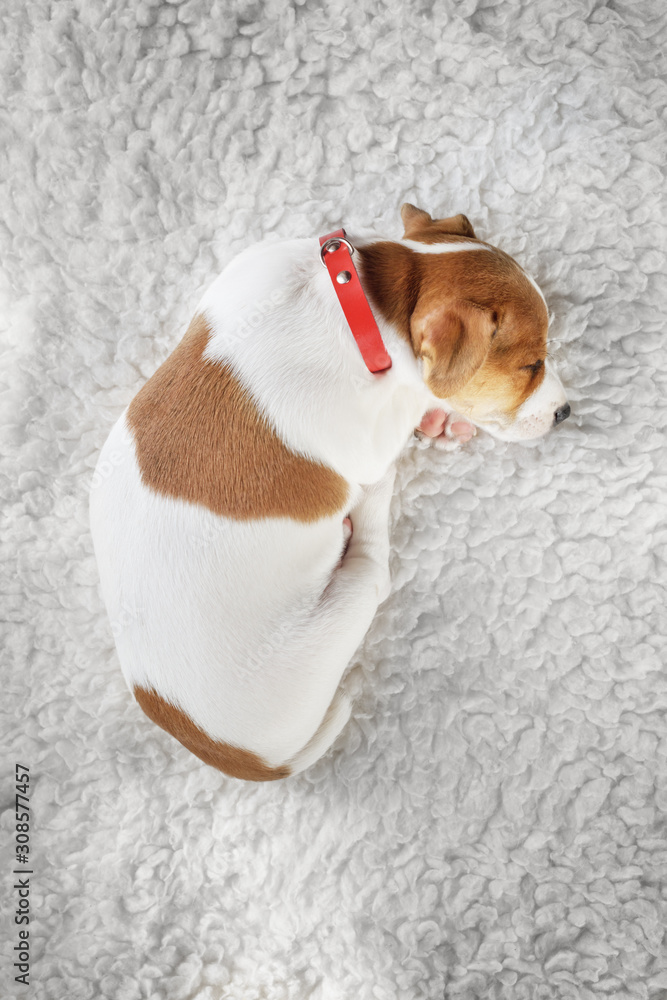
(344, 616)
(368, 547)
(333, 723)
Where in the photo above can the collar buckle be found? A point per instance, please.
(332, 244)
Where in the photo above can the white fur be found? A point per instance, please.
(248, 626)
(445, 247)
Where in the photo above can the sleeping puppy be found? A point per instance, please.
(241, 503)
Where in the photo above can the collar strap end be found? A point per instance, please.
(336, 255)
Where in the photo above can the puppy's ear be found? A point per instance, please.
(414, 218)
(453, 341)
(457, 225)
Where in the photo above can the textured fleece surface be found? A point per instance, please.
(492, 821)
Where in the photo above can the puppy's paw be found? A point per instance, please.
(457, 431)
(446, 431)
(347, 535)
(433, 423)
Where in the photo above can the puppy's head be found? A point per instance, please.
(479, 325)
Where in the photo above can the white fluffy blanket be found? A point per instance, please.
(491, 824)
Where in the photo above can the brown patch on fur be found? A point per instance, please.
(453, 341)
(494, 388)
(231, 760)
(200, 437)
(391, 275)
(475, 318)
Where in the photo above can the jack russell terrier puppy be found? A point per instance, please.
(240, 507)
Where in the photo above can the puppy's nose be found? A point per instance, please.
(562, 413)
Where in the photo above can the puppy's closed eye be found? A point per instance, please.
(535, 368)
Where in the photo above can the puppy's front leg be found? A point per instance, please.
(446, 430)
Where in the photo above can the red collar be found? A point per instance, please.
(336, 255)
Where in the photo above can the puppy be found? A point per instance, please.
(241, 502)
